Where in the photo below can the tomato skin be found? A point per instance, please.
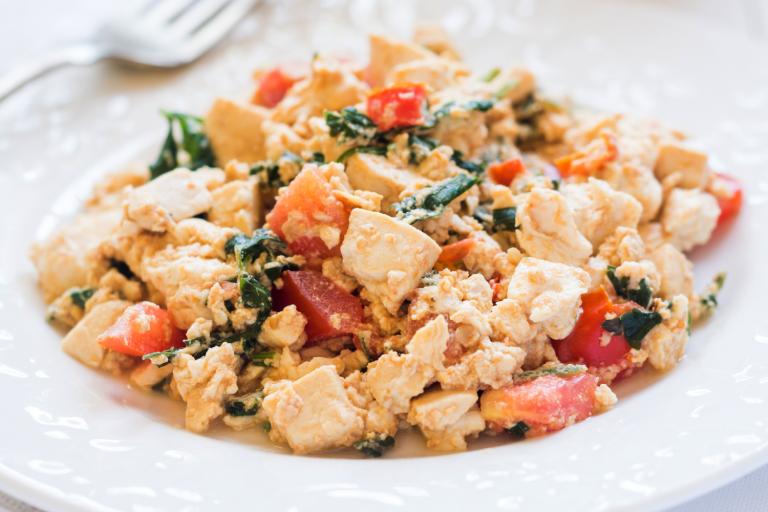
(457, 251)
(545, 404)
(583, 344)
(272, 87)
(141, 329)
(331, 311)
(309, 202)
(505, 172)
(729, 194)
(397, 107)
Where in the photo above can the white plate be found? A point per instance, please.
(74, 439)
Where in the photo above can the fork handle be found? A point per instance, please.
(79, 54)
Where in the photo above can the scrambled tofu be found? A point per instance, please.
(357, 249)
(386, 255)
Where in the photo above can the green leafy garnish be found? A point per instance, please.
(560, 370)
(374, 150)
(641, 295)
(244, 405)
(431, 201)
(504, 219)
(350, 124)
(475, 168)
(709, 298)
(374, 445)
(490, 75)
(518, 429)
(248, 249)
(80, 296)
(505, 89)
(420, 147)
(634, 325)
(191, 140)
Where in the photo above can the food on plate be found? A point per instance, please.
(352, 250)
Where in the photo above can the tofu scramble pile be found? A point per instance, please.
(358, 250)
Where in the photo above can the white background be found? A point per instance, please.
(32, 27)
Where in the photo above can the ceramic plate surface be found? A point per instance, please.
(74, 439)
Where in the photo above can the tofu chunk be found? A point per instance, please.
(174, 196)
(548, 229)
(81, 343)
(387, 256)
(691, 165)
(387, 53)
(689, 217)
(236, 204)
(599, 210)
(284, 329)
(204, 384)
(675, 272)
(666, 342)
(62, 260)
(235, 131)
(313, 413)
(438, 410)
(377, 174)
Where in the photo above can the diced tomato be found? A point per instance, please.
(504, 172)
(305, 211)
(398, 107)
(141, 329)
(330, 310)
(729, 194)
(545, 404)
(588, 162)
(455, 252)
(273, 85)
(585, 344)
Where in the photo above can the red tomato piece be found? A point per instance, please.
(587, 163)
(304, 211)
(545, 404)
(330, 310)
(729, 194)
(585, 343)
(504, 172)
(273, 85)
(398, 107)
(455, 252)
(141, 329)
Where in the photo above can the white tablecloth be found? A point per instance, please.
(21, 35)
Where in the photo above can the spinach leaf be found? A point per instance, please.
(709, 298)
(192, 141)
(431, 202)
(350, 124)
(467, 165)
(642, 295)
(253, 293)
(374, 445)
(375, 150)
(248, 249)
(419, 147)
(504, 219)
(634, 325)
(80, 296)
(244, 405)
(560, 370)
(518, 429)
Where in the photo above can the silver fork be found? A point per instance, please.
(162, 33)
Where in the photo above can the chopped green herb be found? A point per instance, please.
(431, 202)
(253, 293)
(267, 426)
(317, 158)
(519, 429)
(475, 168)
(634, 325)
(560, 370)
(419, 147)
(479, 105)
(641, 295)
(247, 249)
(709, 298)
(350, 124)
(374, 150)
(504, 219)
(490, 75)
(244, 405)
(191, 149)
(374, 445)
(80, 296)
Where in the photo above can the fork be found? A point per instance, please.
(162, 34)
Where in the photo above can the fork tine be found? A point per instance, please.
(165, 11)
(217, 26)
(195, 16)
